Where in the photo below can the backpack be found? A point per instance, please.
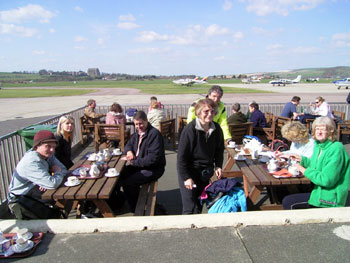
(130, 112)
(278, 145)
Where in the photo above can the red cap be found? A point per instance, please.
(43, 136)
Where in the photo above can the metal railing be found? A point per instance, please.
(12, 146)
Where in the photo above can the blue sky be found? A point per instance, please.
(174, 37)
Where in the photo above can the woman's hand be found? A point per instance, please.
(218, 172)
(282, 155)
(189, 184)
(295, 157)
(300, 168)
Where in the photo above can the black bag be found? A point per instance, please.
(348, 98)
(278, 145)
(41, 210)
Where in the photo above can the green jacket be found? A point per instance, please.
(328, 168)
(220, 118)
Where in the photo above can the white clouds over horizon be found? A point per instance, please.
(341, 40)
(15, 30)
(125, 22)
(25, 13)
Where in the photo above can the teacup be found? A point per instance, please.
(293, 170)
(21, 243)
(83, 171)
(92, 157)
(117, 151)
(232, 144)
(72, 180)
(112, 172)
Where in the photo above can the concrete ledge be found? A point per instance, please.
(130, 224)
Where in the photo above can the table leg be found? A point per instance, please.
(104, 208)
(253, 197)
(229, 163)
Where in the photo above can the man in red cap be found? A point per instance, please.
(37, 171)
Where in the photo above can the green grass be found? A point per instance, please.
(34, 93)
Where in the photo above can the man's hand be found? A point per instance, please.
(189, 184)
(130, 156)
(42, 189)
(218, 172)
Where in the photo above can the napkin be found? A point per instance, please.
(283, 172)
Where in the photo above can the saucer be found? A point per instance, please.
(29, 246)
(240, 159)
(111, 175)
(117, 154)
(262, 160)
(77, 171)
(27, 236)
(68, 184)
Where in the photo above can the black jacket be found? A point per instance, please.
(152, 153)
(196, 152)
(63, 151)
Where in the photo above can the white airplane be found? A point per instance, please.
(312, 79)
(189, 82)
(283, 82)
(251, 80)
(342, 83)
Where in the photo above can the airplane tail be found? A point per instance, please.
(297, 80)
(204, 79)
(196, 78)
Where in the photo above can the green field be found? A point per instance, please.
(34, 93)
(147, 86)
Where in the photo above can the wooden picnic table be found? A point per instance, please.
(96, 190)
(256, 178)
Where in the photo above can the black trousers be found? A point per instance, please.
(296, 201)
(132, 178)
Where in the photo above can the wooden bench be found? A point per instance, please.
(87, 126)
(107, 133)
(146, 202)
(167, 129)
(181, 123)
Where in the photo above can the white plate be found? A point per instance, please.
(117, 154)
(29, 246)
(67, 184)
(241, 159)
(231, 147)
(27, 236)
(114, 175)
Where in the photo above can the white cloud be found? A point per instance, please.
(128, 17)
(238, 36)
(280, 7)
(306, 50)
(52, 30)
(274, 47)
(150, 36)
(127, 25)
(80, 39)
(39, 52)
(150, 50)
(341, 40)
(227, 5)
(265, 32)
(26, 13)
(80, 47)
(21, 31)
(78, 9)
(214, 30)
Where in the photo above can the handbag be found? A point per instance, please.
(41, 210)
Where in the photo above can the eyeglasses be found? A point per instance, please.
(316, 101)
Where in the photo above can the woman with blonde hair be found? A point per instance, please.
(328, 169)
(302, 142)
(155, 115)
(64, 136)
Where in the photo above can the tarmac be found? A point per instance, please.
(319, 235)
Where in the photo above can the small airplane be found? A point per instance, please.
(253, 79)
(312, 79)
(283, 82)
(343, 82)
(189, 82)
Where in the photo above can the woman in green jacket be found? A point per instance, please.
(328, 169)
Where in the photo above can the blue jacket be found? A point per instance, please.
(233, 201)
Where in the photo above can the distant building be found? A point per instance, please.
(93, 72)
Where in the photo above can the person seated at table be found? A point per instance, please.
(290, 109)
(64, 136)
(320, 108)
(237, 117)
(155, 115)
(154, 99)
(146, 155)
(89, 110)
(248, 114)
(257, 117)
(302, 142)
(200, 155)
(215, 93)
(115, 115)
(328, 169)
(37, 171)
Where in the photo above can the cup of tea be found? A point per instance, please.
(117, 151)
(293, 170)
(72, 180)
(232, 144)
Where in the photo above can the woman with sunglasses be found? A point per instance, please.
(200, 155)
(321, 108)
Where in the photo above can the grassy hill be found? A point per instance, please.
(334, 73)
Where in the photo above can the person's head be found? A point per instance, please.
(215, 93)
(91, 103)
(44, 143)
(250, 103)
(253, 107)
(153, 98)
(65, 125)
(154, 105)
(296, 132)
(319, 100)
(205, 110)
(296, 100)
(236, 107)
(115, 107)
(324, 128)
(140, 121)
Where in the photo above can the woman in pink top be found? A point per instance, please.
(115, 115)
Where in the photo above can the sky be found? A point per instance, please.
(198, 37)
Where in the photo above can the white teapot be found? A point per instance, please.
(94, 171)
(272, 165)
(106, 153)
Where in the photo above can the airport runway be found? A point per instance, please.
(12, 109)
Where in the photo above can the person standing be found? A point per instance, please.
(215, 93)
(200, 155)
